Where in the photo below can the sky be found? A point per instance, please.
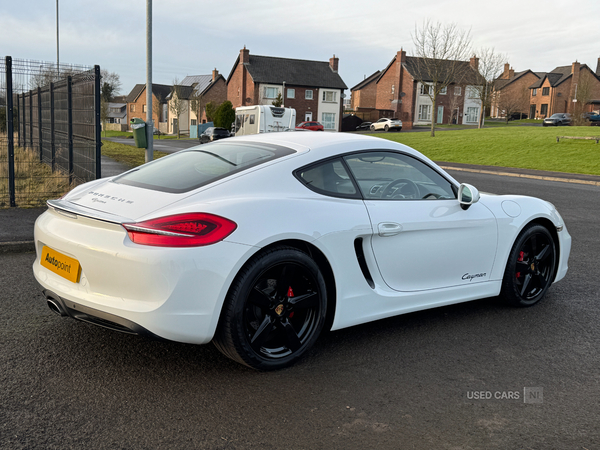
(194, 37)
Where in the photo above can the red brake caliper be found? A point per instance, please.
(520, 259)
(290, 294)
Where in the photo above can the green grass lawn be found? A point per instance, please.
(127, 154)
(520, 147)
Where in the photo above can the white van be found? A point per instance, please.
(263, 119)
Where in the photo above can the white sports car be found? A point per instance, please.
(258, 243)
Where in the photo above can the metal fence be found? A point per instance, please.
(49, 129)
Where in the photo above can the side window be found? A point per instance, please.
(329, 178)
(394, 176)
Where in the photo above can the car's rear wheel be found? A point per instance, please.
(274, 311)
(386, 128)
(530, 267)
(372, 127)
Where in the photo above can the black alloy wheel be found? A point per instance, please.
(275, 310)
(531, 266)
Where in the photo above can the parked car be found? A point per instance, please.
(364, 126)
(213, 134)
(593, 118)
(314, 126)
(557, 119)
(258, 243)
(387, 125)
(517, 116)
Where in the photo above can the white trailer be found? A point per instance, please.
(263, 119)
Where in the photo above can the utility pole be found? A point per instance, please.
(57, 58)
(149, 121)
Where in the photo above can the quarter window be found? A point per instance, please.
(330, 178)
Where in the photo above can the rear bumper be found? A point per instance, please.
(96, 317)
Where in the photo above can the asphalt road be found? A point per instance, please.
(403, 383)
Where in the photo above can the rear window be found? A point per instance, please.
(221, 132)
(190, 169)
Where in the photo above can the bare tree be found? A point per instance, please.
(197, 103)
(110, 85)
(441, 51)
(176, 103)
(490, 66)
(511, 101)
(454, 103)
(583, 94)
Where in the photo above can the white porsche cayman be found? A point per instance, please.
(258, 243)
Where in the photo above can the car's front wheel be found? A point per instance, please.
(372, 127)
(386, 128)
(274, 311)
(530, 267)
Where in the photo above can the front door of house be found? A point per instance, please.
(308, 117)
(532, 112)
(440, 114)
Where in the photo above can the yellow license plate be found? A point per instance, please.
(60, 264)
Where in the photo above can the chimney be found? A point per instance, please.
(333, 63)
(598, 68)
(506, 74)
(474, 63)
(511, 73)
(215, 74)
(401, 56)
(244, 56)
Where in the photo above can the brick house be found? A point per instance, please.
(196, 88)
(511, 92)
(401, 95)
(556, 91)
(313, 88)
(136, 104)
(363, 96)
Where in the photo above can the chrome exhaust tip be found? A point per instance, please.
(55, 307)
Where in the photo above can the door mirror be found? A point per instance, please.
(467, 195)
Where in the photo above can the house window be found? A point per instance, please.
(291, 93)
(193, 122)
(534, 92)
(329, 96)
(425, 113)
(393, 88)
(271, 92)
(544, 110)
(308, 95)
(328, 120)
(143, 108)
(472, 114)
(132, 108)
(546, 91)
(424, 87)
(444, 90)
(457, 90)
(472, 92)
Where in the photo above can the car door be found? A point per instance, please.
(422, 239)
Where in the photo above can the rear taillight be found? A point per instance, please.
(181, 230)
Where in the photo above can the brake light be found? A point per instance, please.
(181, 230)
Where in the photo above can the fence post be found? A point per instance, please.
(98, 132)
(18, 120)
(31, 119)
(70, 125)
(39, 97)
(24, 122)
(11, 132)
(52, 139)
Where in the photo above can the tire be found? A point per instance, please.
(274, 311)
(530, 267)
(372, 127)
(386, 128)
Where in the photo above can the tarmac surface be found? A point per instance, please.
(16, 224)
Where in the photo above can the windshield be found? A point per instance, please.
(190, 169)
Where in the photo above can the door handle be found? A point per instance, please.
(385, 229)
